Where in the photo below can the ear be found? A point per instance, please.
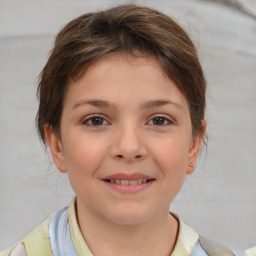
(56, 148)
(195, 149)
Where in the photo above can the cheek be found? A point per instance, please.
(171, 158)
(84, 154)
(83, 157)
(172, 153)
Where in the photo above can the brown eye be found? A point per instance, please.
(95, 121)
(160, 121)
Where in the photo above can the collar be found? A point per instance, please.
(187, 239)
(76, 235)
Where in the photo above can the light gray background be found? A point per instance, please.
(218, 200)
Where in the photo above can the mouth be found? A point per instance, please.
(128, 182)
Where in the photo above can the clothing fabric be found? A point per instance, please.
(60, 236)
(251, 252)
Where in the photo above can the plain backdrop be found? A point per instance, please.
(218, 200)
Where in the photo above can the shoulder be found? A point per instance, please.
(214, 249)
(189, 242)
(37, 242)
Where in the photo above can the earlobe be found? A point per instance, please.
(195, 149)
(56, 148)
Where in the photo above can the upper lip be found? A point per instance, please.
(124, 176)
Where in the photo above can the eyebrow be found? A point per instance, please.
(149, 104)
(93, 102)
(161, 102)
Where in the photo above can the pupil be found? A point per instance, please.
(97, 121)
(158, 121)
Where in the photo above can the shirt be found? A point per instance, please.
(61, 235)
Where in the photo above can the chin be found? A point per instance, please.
(129, 216)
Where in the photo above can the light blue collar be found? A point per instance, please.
(59, 231)
(198, 250)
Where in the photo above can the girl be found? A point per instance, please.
(122, 102)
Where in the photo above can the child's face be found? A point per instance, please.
(125, 122)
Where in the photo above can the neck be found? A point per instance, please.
(154, 237)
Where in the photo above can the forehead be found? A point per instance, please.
(115, 63)
(121, 77)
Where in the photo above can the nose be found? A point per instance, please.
(128, 144)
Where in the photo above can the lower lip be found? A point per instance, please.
(129, 189)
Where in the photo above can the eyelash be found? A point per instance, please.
(166, 121)
(90, 119)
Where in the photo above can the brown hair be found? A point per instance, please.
(128, 29)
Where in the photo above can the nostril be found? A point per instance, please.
(119, 156)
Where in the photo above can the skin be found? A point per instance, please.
(144, 128)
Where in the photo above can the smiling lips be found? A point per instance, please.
(128, 183)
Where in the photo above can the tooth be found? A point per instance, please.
(144, 180)
(139, 181)
(118, 181)
(112, 181)
(125, 182)
(133, 182)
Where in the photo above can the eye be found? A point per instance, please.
(95, 121)
(160, 121)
